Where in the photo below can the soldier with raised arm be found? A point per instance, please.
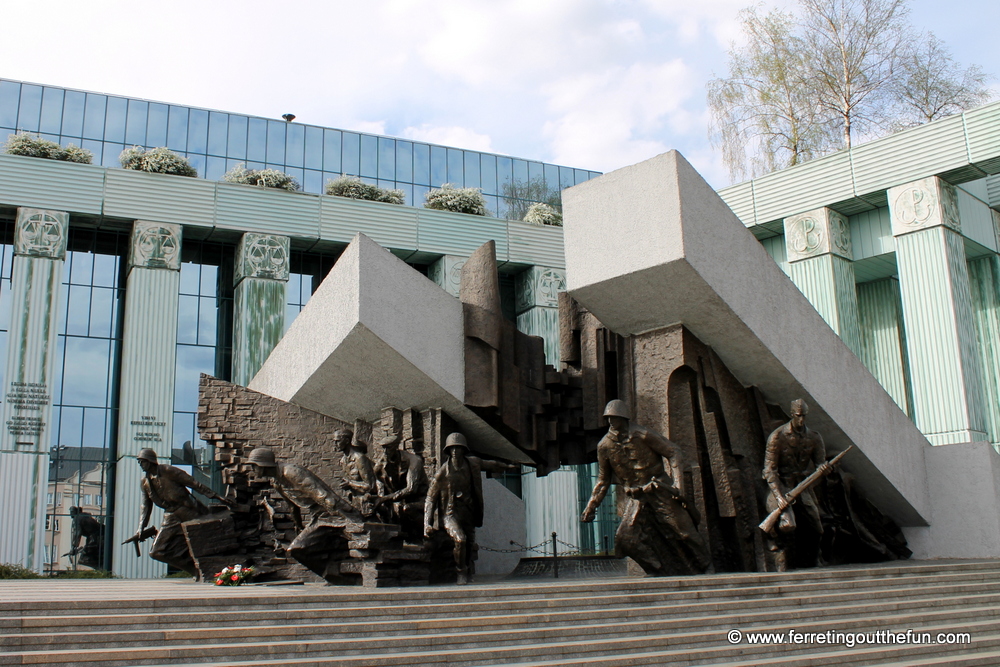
(656, 514)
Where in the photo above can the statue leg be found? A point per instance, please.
(170, 547)
(458, 538)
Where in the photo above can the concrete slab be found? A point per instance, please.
(652, 245)
(377, 333)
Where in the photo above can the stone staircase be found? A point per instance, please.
(622, 621)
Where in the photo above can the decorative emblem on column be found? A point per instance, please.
(447, 273)
(156, 245)
(40, 233)
(539, 286)
(926, 203)
(262, 256)
(817, 233)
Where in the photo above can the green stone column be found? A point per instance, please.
(818, 246)
(945, 365)
(146, 403)
(883, 342)
(984, 280)
(447, 273)
(39, 257)
(551, 503)
(261, 292)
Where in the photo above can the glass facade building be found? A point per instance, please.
(216, 141)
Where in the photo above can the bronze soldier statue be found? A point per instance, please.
(85, 526)
(305, 492)
(402, 485)
(167, 487)
(794, 451)
(358, 476)
(455, 501)
(657, 518)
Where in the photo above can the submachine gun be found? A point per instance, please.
(767, 525)
(141, 537)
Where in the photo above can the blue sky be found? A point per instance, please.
(596, 84)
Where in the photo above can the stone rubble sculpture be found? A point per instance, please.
(86, 527)
(455, 502)
(658, 528)
(167, 487)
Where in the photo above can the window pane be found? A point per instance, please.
(331, 150)
(102, 312)
(135, 124)
(73, 105)
(110, 155)
(581, 176)
(196, 160)
(276, 141)
(351, 160)
(215, 168)
(87, 366)
(535, 171)
(236, 147)
(314, 148)
(218, 128)
(93, 118)
(177, 129)
(566, 179)
(209, 284)
(369, 156)
(404, 161)
(257, 140)
(191, 362)
(52, 104)
(190, 278)
(156, 125)
(197, 140)
(520, 172)
(439, 166)
(30, 108)
(312, 181)
(187, 319)
(472, 170)
(10, 93)
(208, 314)
(488, 176)
(387, 158)
(70, 424)
(114, 121)
(106, 270)
(294, 144)
(421, 164)
(551, 177)
(455, 167)
(78, 310)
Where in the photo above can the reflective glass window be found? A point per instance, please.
(215, 168)
(177, 129)
(295, 138)
(404, 161)
(566, 179)
(505, 172)
(93, 117)
(276, 141)
(488, 173)
(351, 155)
(197, 141)
(369, 156)
(491, 205)
(236, 147)
(387, 158)
(110, 153)
(331, 150)
(197, 160)
(257, 140)
(73, 105)
(502, 210)
(51, 116)
(419, 195)
(296, 173)
(156, 125)
(114, 120)
(10, 96)
(471, 177)
(312, 181)
(49, 137)
(520, 173)
(535, 171)
(421, 164)
(135, 123)
(30, 108)
(95, 147)
(456, 171)
(218, 130)
(439, 166)
(551, 177)
(580, 176)
(313, 150)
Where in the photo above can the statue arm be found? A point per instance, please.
(496, 466)
(415, 478)
(819, 451)
(430, 504)
(770, 474)
(181, 477)
(146, 509)
(604, 475)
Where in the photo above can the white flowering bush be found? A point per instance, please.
(456, 200)
(262, 178)
(543, 214)
(156, 160)
(32, 145)
(354, 188)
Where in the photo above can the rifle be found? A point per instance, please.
(767, 525)
(141, 537)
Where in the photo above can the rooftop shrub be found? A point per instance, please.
(32, 145)
(156, 160)
(456, 200)
(543, 214)
(262, 178)
(353, 188)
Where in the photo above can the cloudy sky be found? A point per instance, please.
(595, 84)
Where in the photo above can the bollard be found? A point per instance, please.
(605, 545)
(555, 556)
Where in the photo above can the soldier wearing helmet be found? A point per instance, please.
(657, 512)
(455, 501)
(167, 487)
(793, 452)
(306, 494)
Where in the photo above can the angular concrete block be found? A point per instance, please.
(377, 333)
(652, 245)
